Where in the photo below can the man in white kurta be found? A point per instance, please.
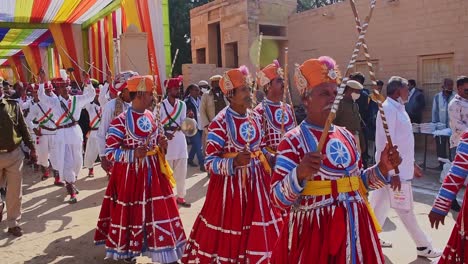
(92, 152)
(173, 112)
(42, 122)
(69, 139)
(110, 110)
(401, 133)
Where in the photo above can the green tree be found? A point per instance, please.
(179, 20)
(303, 5)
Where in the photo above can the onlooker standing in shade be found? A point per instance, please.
(371, 122)
(440, 115)
(363, 103)
(211, 104)
(14, 131)
(193, 111)
(347, 114)
(416, 103)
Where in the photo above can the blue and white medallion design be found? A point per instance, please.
(244, 132)
(338, 154)
(144, 124)
(280, 118)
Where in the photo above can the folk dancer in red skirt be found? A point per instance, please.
(237, 223)
(139, 213)
(329, 219)
(277, 116)
(456, 250)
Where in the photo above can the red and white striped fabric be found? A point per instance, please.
(236, 224)
(139, 213)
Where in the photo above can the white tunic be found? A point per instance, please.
(177, 147)
(94, 112)
(106, 118)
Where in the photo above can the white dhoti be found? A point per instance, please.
(69, 153)
(92, 151)
(179, 166)
(380, 202)
(45, 148)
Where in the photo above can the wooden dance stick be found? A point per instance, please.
(339, 96)
(375, 96)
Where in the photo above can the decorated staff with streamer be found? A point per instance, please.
(325, 191)
(277, 116)
(139, 214)
(69, 139)
(237, 223)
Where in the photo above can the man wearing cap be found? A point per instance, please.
(69, 138)
(41, 120)
(193, 111)
(237, 223)
(112, 109)
(211, 104)
(204, 87)
(347, 114)
(139, 214)
(14, 130)
(172, 113)
(401, 132)
(277, 116)
(92, 152)
(324, 192)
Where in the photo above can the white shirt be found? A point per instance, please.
(401, 132)
(106, 118)
(37, 112)
(458, 118)
(72, 135)
(103, 96)
(177, 146)
(94, 112)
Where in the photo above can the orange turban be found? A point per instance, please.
(140, 83)
(269, 73)
(234, 78)
(314, 72)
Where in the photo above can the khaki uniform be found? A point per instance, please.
(14, 131)
(211, 104)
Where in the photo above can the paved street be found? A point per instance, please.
(56, 232)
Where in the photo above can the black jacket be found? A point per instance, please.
(415, 106)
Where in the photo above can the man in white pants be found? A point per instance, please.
(69, 140)
(401, 132)
(92, 152)
(173, 112)
(41, 120)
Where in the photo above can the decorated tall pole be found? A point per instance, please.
(352, 62)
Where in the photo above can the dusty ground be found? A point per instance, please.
(56, 232)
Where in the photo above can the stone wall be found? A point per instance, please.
(193, 73)
(403, 37)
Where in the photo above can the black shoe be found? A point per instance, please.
(455, 206)
(1, 211)
(192, 164)
(3, 193)
(202, 169)
(16, 231)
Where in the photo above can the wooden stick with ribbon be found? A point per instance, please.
(339, 96)
(286, 93)
(375, 96)
(259, 54)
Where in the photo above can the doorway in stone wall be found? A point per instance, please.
(432, 69)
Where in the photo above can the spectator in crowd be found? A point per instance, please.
(458, 114)
(347, 114)
(193, 111)
(372, 116)
(440, 115)
(14, 131)
(204, 87)
(211, 104)
(416, 103)
(363, 103)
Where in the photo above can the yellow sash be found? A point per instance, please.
(344, 185)
(257, 154)
(272, 151)
(163, 165)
